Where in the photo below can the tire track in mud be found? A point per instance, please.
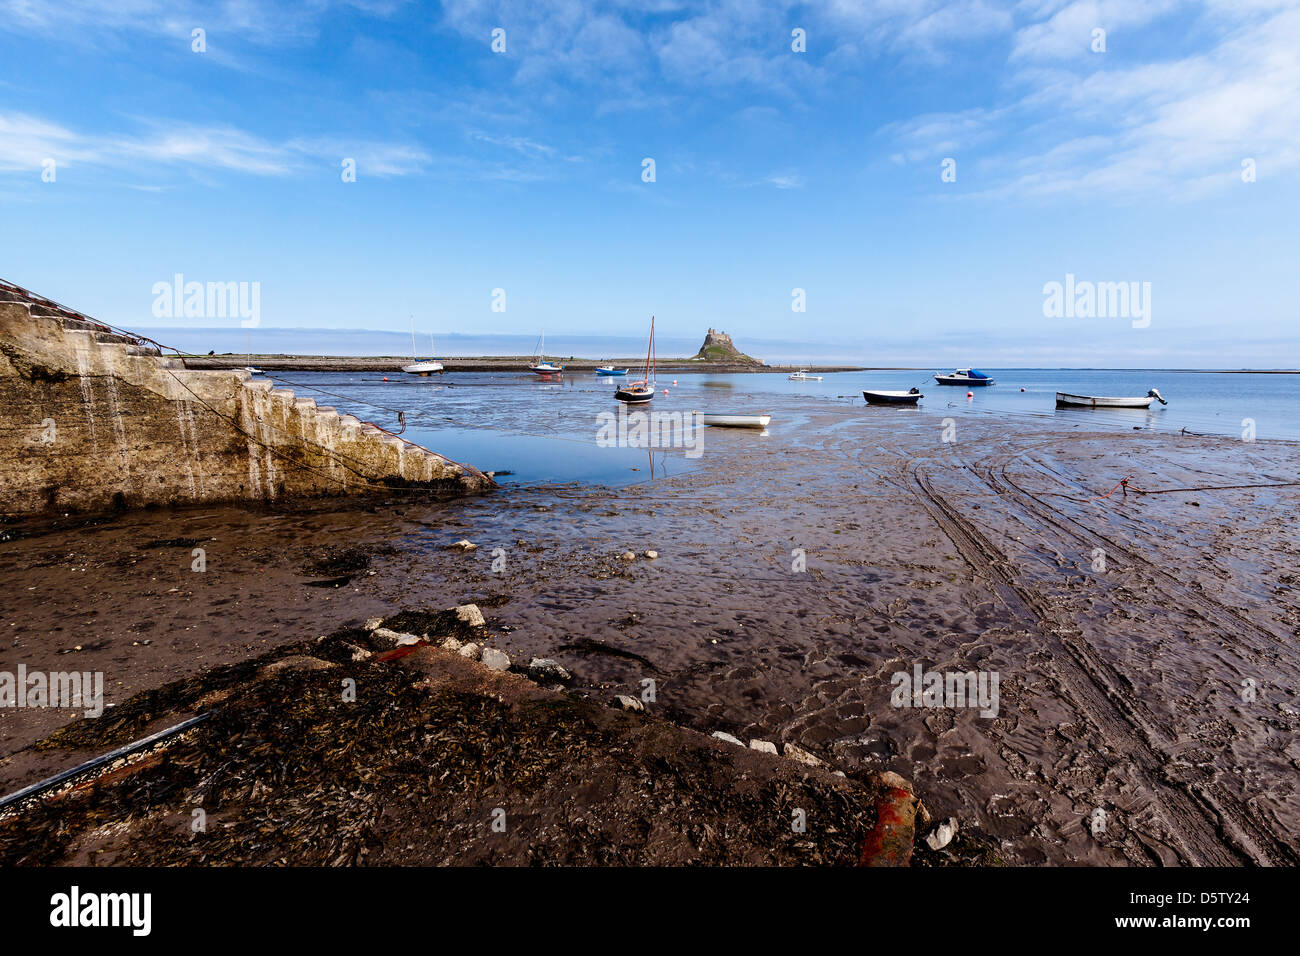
(1205, 830)
(1236, 821)
(1215, 613)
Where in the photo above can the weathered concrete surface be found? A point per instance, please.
(92, 420)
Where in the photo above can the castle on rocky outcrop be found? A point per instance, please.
(718, 347)
(93, 419)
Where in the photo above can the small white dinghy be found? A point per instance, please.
(736, 421)
(877, 397)
(1066, 400)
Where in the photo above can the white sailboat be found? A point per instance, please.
(539, 363)
(250, 367)
(417, 367)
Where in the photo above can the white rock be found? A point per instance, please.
(451, 644)
(396, 638)
(470, 650)
(652, 555)
(373, 623)
(495, 659)
(543, 668)
(727, 737)
(471, 615)
(802, 756)
(624, 702)
(764, 746)
(358, 653)
(627, 556)
(942, 834)
(464, 545)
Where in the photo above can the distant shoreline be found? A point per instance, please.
(486, 363)
(500, 363)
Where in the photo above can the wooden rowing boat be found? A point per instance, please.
(736, 421)
(1066, 400)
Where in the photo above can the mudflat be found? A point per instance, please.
(1143, 637)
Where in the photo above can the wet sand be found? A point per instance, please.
(1120, 689)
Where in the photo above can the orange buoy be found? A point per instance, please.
(970, 394)
(385, 378)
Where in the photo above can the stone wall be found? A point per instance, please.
(92, 420)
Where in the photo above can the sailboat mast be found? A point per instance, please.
(649, 346)
(414, 357)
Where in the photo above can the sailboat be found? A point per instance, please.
(250, 368)
(417, 367)
(636, 393)
(539, 363)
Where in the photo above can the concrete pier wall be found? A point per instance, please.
(92, 420)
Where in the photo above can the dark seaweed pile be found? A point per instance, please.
(289, 773)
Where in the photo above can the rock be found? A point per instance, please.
(495, 659)
(373, 623)
(543, 668)
(471, 615)
(652, 555)
(890, 779)
(463, 545)
(296, 662)
(802, 756)
(470, 650)
(451, 644)
(763, 746)
(727, 737)
(923, 813)
(627, 556)
(624, 702)
(942, 834)
(890, 843)
(358, 653)
(395, 638)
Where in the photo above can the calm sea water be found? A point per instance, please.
(544, 430)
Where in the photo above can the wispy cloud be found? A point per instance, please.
(1178, 127)
(27, 141)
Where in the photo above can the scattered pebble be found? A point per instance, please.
(495, 659)
(471, 615)
(802, 756)
(543, 668)
(374, 623)
(727, 737)
(464, 545)
(451, 644)
(624, 702)
(652, 555)
(470, 650)
(627, 556)
(942, 834)
(763, 746)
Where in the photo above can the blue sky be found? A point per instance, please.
(775, 170)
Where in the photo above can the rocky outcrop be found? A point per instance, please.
(718, 347)
(92, 419)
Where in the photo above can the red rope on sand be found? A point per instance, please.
(1123, 483)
